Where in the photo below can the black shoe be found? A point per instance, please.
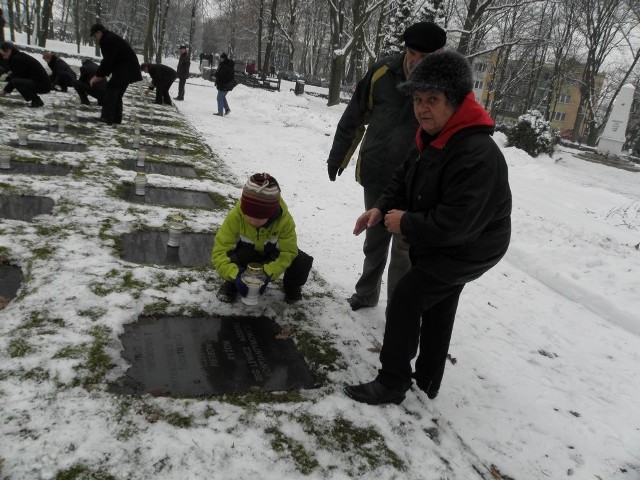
(227, 292)
(374, 393)
(357, 304)
(85, 102)
(178, 98)
(227, 112)
(292, 295)
(426, 387)
(218, 114)
(104, 120)
(36, 102)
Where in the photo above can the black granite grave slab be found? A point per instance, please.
(13, 101)
(156, 120)
(50, 146)
(79, 119)
(151, 248)
(29, 168)
(10, 280)
(171, 197)
(189, 357)
(24, 207)
(171, 169)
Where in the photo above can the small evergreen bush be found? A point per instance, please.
(533, 134)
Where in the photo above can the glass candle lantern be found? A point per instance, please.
(253, 277)
(136, 141)
(176, 227)
(22, 136)
(62, 125)
(5, 161)
(140, 158)
(140, 182)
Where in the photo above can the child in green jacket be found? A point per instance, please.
(260, 229)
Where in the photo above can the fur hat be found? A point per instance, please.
(223, 56)
(447, 71)
(260, 196)
(425, 37)
(97, 27)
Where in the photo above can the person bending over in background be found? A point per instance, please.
(61, 73)
(25, 74)
(162, 77)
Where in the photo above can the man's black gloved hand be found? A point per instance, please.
(333, 170)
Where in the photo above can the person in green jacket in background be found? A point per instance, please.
(260, 229)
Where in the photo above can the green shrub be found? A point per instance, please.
(533, 134)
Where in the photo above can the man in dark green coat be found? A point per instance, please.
(387, 116)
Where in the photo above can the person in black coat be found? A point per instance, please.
(452, 203)
(184, 64)
(162, 77)
(225, 81)
(81, 85)
(61, 73)
(121, 62)
(28, 76)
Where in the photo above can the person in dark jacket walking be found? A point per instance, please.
(81, 85)
(121, 62)
(390, 125)
(162, 77)
(225, 81)
(61, 73)
(453, 206)
(184, 64)
(28, 76)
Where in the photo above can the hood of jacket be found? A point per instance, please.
(470, 114)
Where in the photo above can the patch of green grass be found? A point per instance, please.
(48, 230)
(42, 253)
(83, 472)
(37, 374)
(18, 347)
(304, 460)
(320, 353)
(128, 283)
(260, 397)
(72, 351)
(94, 314)
(98, 362)
(365, 448)
(4, 252)
(41, 320)
(178, 420)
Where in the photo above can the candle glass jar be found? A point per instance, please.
(5, 161)
(253, 277)
(22, 137)
(140, 182)
(176, 227)
(140, 158)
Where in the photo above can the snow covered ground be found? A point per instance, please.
(545, 374)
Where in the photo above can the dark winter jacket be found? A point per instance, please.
(389, 120)
(456, 197)
(118, 60)
(161, 75)
(22, 65)
(88, 70)
(225, 74)
(60, 68)
(184, 63)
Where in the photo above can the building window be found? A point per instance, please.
(563, 98)
(480, 67)
(559, 116)
(478, 84)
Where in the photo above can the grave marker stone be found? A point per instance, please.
(24, 207)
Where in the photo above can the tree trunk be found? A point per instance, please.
(260, 23)
(163, 26)
(46, 21)
(270, 35)
(148, 41)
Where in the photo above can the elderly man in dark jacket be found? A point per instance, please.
(61, 73)
(162, 77)
(390, 125)
(184, 64)
(452, 203)
(121, 62)
(28, 76)
(87, 72)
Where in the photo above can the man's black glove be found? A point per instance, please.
(333, 170)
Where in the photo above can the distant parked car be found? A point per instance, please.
(288, 75)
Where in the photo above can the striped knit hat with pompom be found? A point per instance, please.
(260, 196)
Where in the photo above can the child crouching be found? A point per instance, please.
(260, 229)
